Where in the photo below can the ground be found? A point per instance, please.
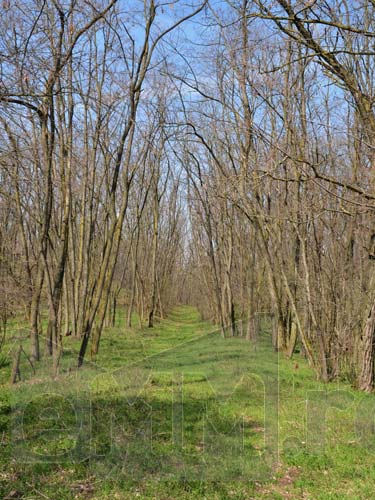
(178, 412)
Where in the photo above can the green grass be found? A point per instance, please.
(177, 412)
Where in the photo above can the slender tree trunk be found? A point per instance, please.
(366, 375)
(154, 253)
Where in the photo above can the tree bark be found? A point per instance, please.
(366, 376)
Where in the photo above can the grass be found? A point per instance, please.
(177, 412)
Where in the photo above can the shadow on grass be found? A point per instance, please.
(164, 417)
(201, 412)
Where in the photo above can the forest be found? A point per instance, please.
(202, 161)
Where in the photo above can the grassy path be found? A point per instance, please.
(177, 412)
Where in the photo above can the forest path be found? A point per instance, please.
(192, 415)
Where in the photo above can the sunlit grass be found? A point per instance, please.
(179, 412)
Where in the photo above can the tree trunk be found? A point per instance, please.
(366, 376)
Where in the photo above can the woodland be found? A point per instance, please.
(219, 155)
